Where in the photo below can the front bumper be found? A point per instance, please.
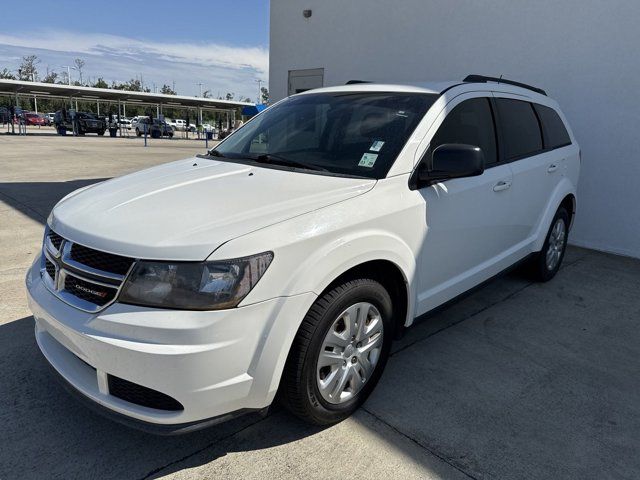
(213, 363)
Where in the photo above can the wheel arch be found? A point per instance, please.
(391, 277)
(569, 203)
(563, 195)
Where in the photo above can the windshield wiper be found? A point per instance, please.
(215, 153)
(278, 160)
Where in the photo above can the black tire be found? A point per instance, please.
(299, 390)
(101, 132)
(138, 133)
(537, 265)
(170, 134)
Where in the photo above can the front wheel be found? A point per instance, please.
(339, 352)
(545, 264)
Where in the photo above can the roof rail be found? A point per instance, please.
(483, 79)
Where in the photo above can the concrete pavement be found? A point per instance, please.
(518, 380)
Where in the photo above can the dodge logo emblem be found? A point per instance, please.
(82, 288)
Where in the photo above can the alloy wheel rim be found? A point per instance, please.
(556, 244)
(349, 353)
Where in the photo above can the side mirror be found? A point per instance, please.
(453, 160)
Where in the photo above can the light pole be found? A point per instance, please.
(201, 84)
(68, 73)
(35, 97)
(259, 90)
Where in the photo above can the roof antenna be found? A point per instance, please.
(500, 79)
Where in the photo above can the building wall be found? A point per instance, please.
(585, 53)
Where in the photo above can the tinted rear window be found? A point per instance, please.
(553, 130)
(520, 128)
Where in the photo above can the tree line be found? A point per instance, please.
(28, 71)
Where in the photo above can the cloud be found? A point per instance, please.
(221, 68)
(206, 54)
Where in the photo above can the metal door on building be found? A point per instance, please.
(303, 80)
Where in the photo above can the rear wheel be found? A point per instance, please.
(545, 264)
(138, 133)
(339, 352)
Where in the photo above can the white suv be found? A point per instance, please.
(288, 258)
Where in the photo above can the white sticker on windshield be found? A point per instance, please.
(376, 145)
(368, 160)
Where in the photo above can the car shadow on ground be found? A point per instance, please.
(48, 433)
(518, 380)
(37, 199)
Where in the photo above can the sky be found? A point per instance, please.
(223, 44)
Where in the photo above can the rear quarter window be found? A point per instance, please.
(554, 132)
(520, 128)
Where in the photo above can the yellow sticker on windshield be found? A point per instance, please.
(368, 160)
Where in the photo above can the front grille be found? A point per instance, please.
(146, 397)
(89, 291)
(81, 276)
(106, 262)
(50, 268)
(55, 239)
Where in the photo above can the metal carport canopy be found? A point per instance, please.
(23, 88)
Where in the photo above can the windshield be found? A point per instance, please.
(342, 133)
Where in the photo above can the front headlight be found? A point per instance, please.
(194, 285)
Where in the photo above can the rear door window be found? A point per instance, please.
(554, 132)
(520, 128)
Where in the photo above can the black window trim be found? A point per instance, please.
(493, 97)
(414, 184)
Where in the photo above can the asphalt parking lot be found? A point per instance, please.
(518, 380)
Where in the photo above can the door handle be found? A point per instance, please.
(552, 168)
(501, 185)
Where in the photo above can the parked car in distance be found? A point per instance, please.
(5, 115)
(179, 124)
(225, 133)
(18, 115)
(155, 129)
(34, 119)
(51, 118)
(136, 119)
(288, 258)
(86, 122)
(125, 123)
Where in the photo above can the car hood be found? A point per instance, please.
(184, 210)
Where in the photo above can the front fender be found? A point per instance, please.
(303, 281)
(312, 250)
(326, 264)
